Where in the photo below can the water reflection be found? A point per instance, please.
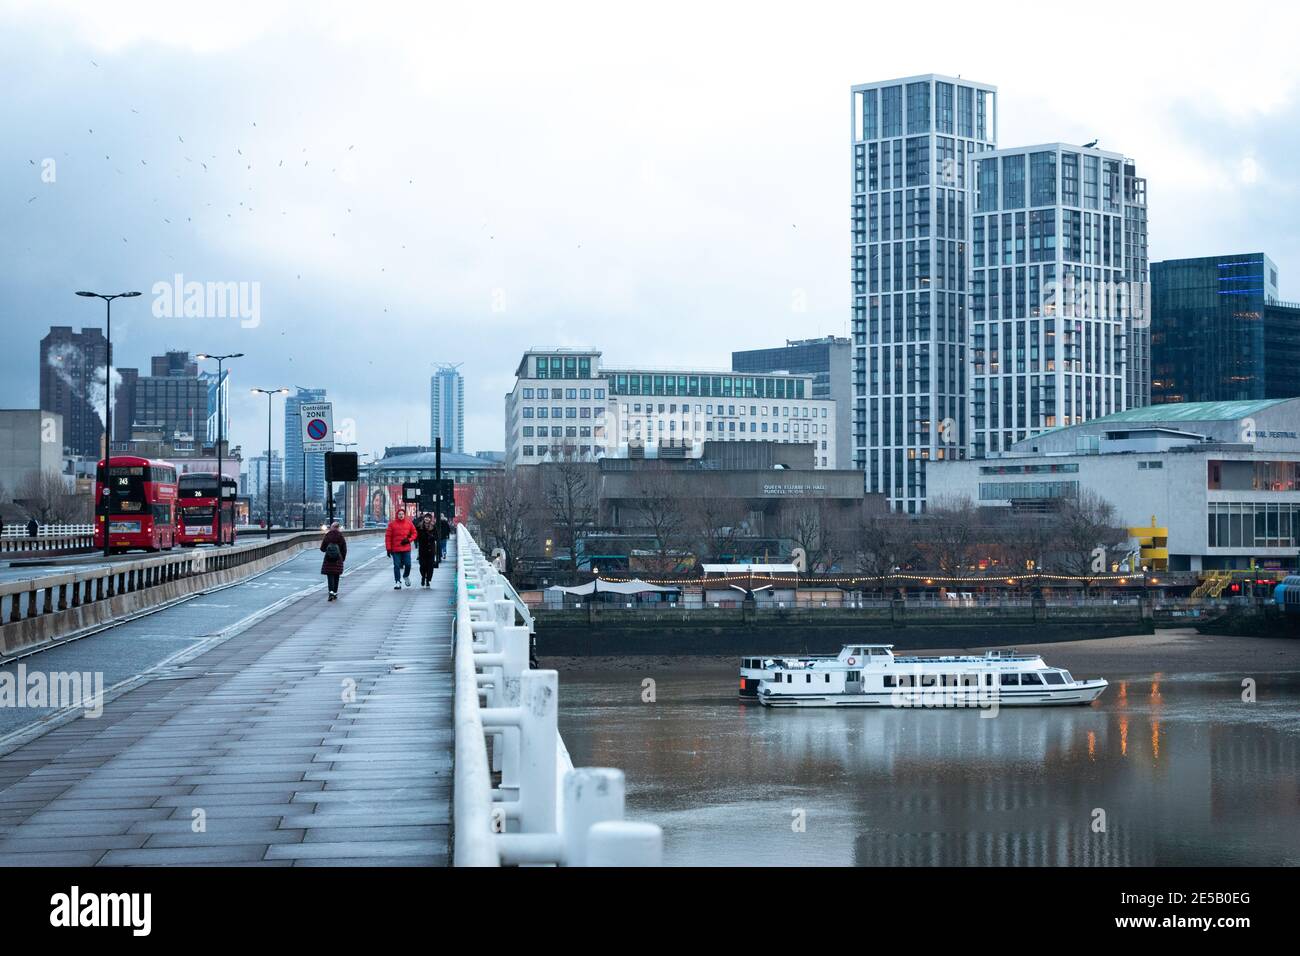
(1164, 769)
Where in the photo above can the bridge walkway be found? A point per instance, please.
(319, 735)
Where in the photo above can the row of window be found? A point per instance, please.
(573, 411)
(961, 110)
(809, 428)
(564, 431)
(717, 386)
(781, 411)
(1000, 182)
(569, 393)
(1026, 679)
(562, 366)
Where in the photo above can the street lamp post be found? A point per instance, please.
(221, 486)
(108, 384)
(269, 392)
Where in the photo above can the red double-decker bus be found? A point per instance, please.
(196, 511)
(134, 502)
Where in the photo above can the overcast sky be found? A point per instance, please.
(407, 185)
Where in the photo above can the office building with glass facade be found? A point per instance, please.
(304, 474)
(1220, 332)
(1057, 291)
(566, 404)
(912, 143)
(830, 362)
(447, 409)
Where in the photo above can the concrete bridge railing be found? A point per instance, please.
(543, 810)
(46, 609)
(48, 544)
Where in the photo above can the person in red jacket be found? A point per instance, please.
(397, 541)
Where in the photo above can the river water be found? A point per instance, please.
(1164, 769)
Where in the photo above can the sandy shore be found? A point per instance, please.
(1177, 650)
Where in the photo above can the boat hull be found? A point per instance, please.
(1080, 694)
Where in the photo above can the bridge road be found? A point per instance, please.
(319, 735)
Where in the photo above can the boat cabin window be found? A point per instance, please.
(1030, 679)
(807, 678)
(1068, 678)
(828, 678)
(1053, 677)
(970, 680)
(950, 680)
(929, 680)
(853, 676)
(1010, 680)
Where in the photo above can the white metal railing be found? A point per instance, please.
(47, 530)
(543, 811)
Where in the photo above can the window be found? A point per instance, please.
(1042, 178)
(1010, 680)
(1013, 182)
(1030, 679)
(1053, 677)
(918, 107)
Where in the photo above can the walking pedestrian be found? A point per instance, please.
(397, 541)
(335, 548)
(426, 543)
(444, 532)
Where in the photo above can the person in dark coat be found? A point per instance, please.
(33, 529)
(335, 548)
(444, 532)
(426, 540)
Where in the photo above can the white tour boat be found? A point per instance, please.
(870, 675)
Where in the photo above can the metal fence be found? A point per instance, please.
(847, 600)
(46, 530)
(542, 810)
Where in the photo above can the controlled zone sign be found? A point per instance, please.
(317, 426)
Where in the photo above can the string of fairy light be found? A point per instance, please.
(927, 580)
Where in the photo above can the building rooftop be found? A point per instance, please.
(1172, 412)
(427, 459)
(1190, 412)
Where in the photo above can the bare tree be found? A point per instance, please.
(949, 534)
(810, 522)
(884, 541)
(1087, 533)
(659, 505)
(508, 510)
(569, 490)
(46, 497)
(1025, 541)
(717, 526)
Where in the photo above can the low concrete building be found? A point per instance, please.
(1223, 477)
(749, 500)
(31, 442)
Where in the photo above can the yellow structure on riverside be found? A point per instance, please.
(1153, 544)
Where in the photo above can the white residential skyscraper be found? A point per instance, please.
(447, 408)
(912, 141)
(1058, 259)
